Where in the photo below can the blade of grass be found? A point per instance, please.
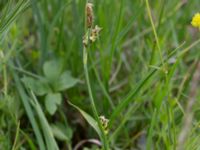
(29, 140)
(125, 101)
(130, 111)
(154, 31)
(56, 18)
(150, 133)
(118, 26)
(148, 30)
(101, 84)
(28, 109)
(89, 118)
(48, 134)
(42, 33)
(16, 136)
(129, 97)
(11, 14)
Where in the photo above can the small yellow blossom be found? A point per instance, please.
(196, 20)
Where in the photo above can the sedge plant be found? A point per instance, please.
(91, 35)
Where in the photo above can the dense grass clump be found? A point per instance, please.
(99, 74)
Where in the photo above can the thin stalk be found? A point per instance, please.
(5, 83)
(16, 136)
(5, 79)
(103, 136)
(85, 59)
(133, 92)
(154, 31)
(43, 35)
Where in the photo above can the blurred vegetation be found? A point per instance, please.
(141, 84)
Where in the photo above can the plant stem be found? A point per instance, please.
(103, 136)
(16, 136)
(5, 80)
(154, 31)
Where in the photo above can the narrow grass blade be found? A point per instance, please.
(129, 97)
(16, 136)
(48, 134)
(89, 119)
(135, 91)
(150, 134)
(29, 111)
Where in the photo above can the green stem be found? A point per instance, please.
(16, 136)
(154, 31)
(5, 80)
(103, 136)
(85, 58)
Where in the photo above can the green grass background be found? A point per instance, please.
(140, 77)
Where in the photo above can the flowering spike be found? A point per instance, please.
(104, 123)
(89, 15)
(95, 33)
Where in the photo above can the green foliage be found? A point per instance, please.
(53, 82)
(89, 119)
(61, 133)
(139, 75)
(39, 87)
(52, 70)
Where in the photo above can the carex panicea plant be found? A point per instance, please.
(91, 34)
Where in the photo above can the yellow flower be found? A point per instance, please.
(196, 20)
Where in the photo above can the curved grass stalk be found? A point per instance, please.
(103, 135)
(88, 27)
